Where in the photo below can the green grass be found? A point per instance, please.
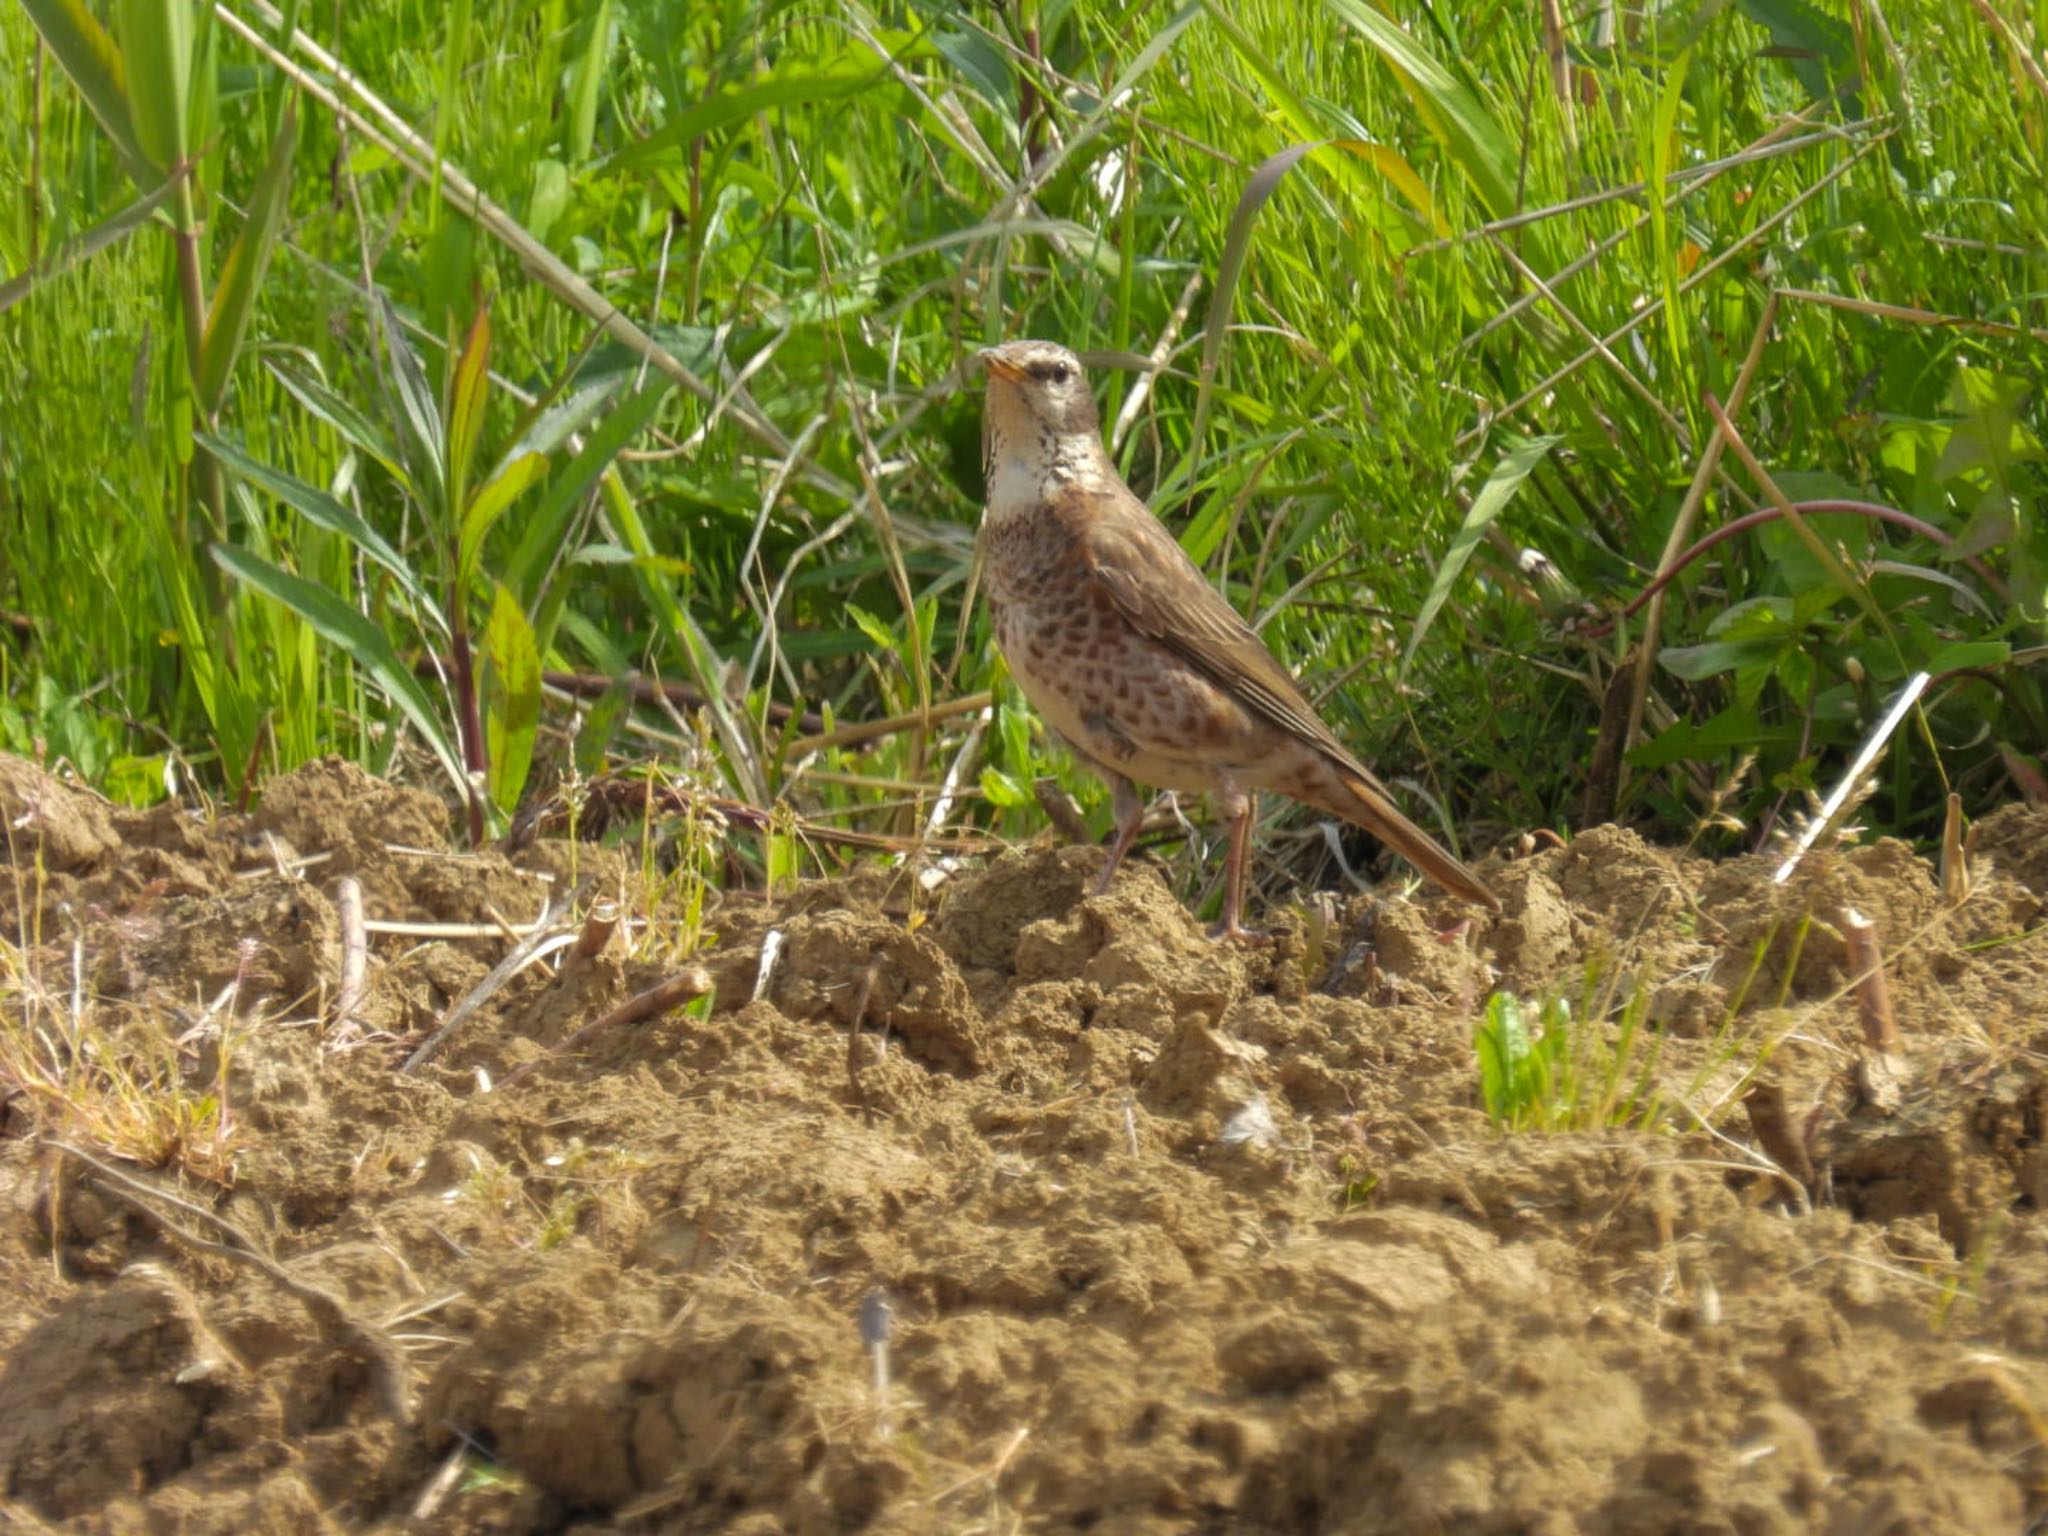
(1370, 405)
(1547, 1067)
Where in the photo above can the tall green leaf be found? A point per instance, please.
(89, 56)
(1237, 245)
(548, 521)
(468, 392)
(355, 429)
(1460, 120)
(419, 418)
(511, 698)
(322, 510)
(1492, 500)
(583, 91)
(157, 48)
(364, 643)
(488, 505)
(227, 319)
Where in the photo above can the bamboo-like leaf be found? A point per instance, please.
(468, 392)
(89, 56)
(1459, 119)
(548, 521)
(323, 511)
(339, 624)
(589, 77)
(86, 246)
(565, 417)
(419, 419)
(234, 299)
(356, 429)
(511, 698)
(156, 48)
(504, 488)
(1491, 501)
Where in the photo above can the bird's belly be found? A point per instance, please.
(1129, 704)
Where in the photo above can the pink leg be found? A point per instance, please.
(1129, 806)
(1238, 806)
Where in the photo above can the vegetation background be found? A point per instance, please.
(428, 384)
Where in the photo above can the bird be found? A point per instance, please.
(1131, 657)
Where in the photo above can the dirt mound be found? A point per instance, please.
(1037, 1213)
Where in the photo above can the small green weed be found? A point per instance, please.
(1564, 1071)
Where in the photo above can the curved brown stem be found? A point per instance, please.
(1749, 520)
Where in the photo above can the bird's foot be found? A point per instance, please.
(1233, 932)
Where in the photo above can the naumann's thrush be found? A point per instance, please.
(1130, 655)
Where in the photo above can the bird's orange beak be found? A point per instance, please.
(999, 365)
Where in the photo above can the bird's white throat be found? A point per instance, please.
(1023, 476)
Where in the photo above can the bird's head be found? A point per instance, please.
(1036, 389)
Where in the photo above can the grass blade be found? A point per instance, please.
(847, 77)
(339, 624)
(544, 528)
(1237, 245)
(323, 511)
(87, 245)
(468, 393)
(354, 428)
(1460, 120)
(419, 419)
(504, 488)
(156, 48)
(234, 299)
(1492, 500)
(589, 77)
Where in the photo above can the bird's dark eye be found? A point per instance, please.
(1061, 373)
(1051, 373)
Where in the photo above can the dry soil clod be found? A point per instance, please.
(333, 1316)
(644, 1281)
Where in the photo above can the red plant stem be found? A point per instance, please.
(1763, 515)
(472, 732)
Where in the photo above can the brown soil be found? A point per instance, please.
(1169, 1237)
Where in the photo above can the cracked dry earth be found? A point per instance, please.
(636, 1289)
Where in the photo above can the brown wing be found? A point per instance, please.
(1164, 596)
(1159, 590)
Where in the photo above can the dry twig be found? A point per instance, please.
(683, 987)
(355, 954)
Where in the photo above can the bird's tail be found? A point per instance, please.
(1360, 799)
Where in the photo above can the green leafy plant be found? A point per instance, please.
(151, 83)
(1560, 1070)
(433, 458)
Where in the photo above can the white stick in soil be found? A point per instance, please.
(1832, 806)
